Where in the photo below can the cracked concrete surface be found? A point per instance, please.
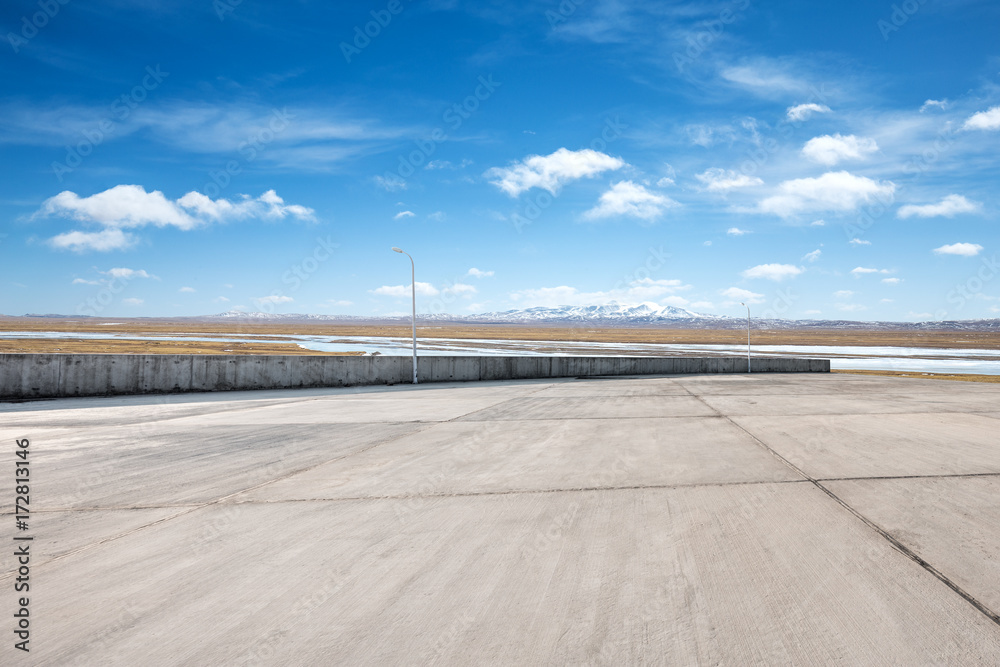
(779, 519)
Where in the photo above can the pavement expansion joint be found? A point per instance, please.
(516, 492)
(956, 475)
(896, 544)
(194, 508)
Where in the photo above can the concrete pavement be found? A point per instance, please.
(724, 519)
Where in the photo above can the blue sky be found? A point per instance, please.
(819, 160)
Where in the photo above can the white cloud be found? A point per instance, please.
(720, 180)
(403, 214)
(458, 288)
(707, 136)
(130, 206)
(390, 184)
(551, 172)
(963, 249)
(930, 104)
(891, 281)
(664, 182)
(812, 256)
(777, 272)
(984, 120)
(948, 207)
(437, 216)
(637, 291)
(628, 198)
(743, 295)
(843, 294)
(766, 77)
(109, 239)
(801, 112)
(859, 242)
(818, 223)
(188, 290)
(861, 270)
(707, 243)
(829, 150)
(423, 289)
(221, 299)
(122, 206)
(446, 164)
(736, 231)
(273, 299)
(833, 191)
(128, 274)
(132, 301)
(268, 205)
(476, 273)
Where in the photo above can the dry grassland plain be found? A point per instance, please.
(273, 338)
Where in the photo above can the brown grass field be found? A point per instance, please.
(272, 338)
(927, 376)
(276, 341)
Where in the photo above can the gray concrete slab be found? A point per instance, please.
(951, 522)
(594, 407)
(716, 575)
(863, 445)
(541, 455)
(847, 404)
(68, 531)
(604, 521)
(163, 464)
(616, 386)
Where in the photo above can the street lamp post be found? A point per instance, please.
(413, 286)
(748, 335)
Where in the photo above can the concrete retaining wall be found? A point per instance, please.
(56, 375)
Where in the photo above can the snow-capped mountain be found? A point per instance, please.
(616, 315)
(611, 312)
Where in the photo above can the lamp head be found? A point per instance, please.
(395, 249)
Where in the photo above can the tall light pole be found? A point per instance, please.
(748, 335)
(413, 285)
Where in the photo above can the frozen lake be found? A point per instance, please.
(919, 359)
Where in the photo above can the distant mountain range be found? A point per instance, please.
(612, 314)
(620, 315)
